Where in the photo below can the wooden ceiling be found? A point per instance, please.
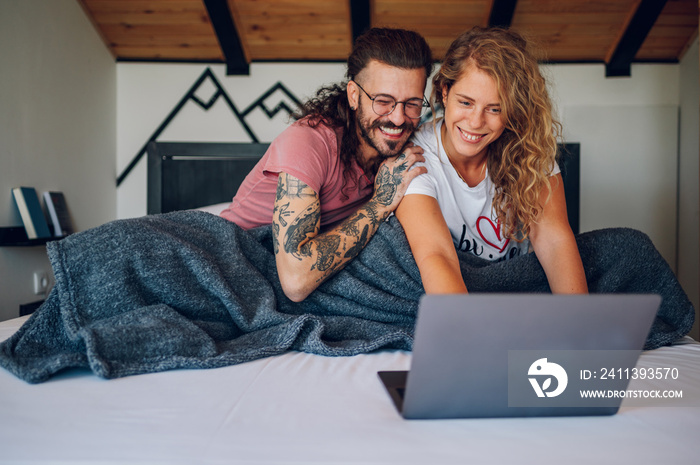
(239, 32)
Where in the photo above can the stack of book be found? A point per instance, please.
(35, 224)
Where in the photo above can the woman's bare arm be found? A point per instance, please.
(555, 245)
(431, 244)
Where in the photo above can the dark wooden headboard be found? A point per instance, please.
(186, 175)
(570, 165)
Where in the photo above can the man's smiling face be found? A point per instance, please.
(385, 136)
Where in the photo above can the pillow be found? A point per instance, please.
(214, 209)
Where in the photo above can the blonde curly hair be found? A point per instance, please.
(521, 160)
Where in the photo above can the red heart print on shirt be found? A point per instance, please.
(493, 233)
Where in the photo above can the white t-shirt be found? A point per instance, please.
(467, 210)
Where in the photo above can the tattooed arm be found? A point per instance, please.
(305, 257)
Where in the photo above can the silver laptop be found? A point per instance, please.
(519, 355)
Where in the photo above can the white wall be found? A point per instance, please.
(57, 126)
(628, 130)
(639, 154)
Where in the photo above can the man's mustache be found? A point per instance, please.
(388, 124)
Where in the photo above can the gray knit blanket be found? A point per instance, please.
(192, 290)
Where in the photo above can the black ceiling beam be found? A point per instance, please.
(502, 13)
(229, 40)
(360, 16)
(620, 63)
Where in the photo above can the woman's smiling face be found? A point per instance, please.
(473, 117)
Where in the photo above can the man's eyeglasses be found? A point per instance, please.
(383, 104)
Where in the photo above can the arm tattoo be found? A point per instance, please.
(303, 228)
(280, 211)
(349, 227)
(275, 235)
(283, 212)
(360, 244)
(374, 216)
(388, 181)
(327, 251)
(297, 188)
(281, 191)
(298, 234)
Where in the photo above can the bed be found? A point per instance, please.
(300, 408)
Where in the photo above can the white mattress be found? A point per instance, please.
(306, 409)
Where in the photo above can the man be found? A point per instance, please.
(330, 179)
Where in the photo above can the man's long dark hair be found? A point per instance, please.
(395, 47)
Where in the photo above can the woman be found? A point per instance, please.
(493, 187)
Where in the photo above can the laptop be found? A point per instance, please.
(522, 355)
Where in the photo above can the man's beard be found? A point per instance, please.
(393, 147)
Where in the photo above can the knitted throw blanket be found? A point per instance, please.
(192, 290)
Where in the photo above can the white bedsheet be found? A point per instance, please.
(307, 409)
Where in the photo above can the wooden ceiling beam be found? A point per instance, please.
(360, 16)
(222, 20)
(502, 13)
(297, 30)
(619, 62)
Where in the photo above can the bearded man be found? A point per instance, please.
(328, 181)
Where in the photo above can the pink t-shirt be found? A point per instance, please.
(310, 155)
